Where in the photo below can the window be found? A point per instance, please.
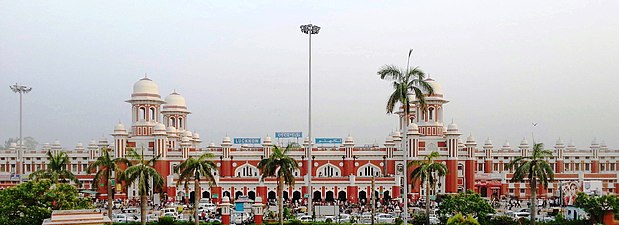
(368, 170)
(172, 122)
(430, 113)
(152, 114)
(521, 190)
(180, 123)
(328, 170)
(511, 190)
(142, 113)
(247, 171)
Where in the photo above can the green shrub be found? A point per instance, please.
(399, 221)
(166, 220)
(502, 220)
(459, 219)
(419, 219)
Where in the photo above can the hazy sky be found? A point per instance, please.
(242, 66)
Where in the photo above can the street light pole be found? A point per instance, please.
(310, 29)
(21, 89)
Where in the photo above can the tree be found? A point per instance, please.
(405, 82)
(596, 206)
(428, 171)
(29, 142)
(141, 174)
(469, 203)
(105, 167)
(33, 201)
(533, 168)
(56, 170)
(459, 219)
(193, 168)
(280, 165)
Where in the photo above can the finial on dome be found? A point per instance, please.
(145, 75)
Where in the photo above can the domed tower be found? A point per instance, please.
(175, 112)
(145, 104)
(430, 121)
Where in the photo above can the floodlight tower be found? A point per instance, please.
(21, 89)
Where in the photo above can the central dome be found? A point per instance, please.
(145, 86)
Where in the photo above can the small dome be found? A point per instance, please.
(506, 144)
(196, 136)
(119, 127)
(145, 86)
(436, 87)
(594, 142)
(226, 140)
(306, 141)
(211, 145)
(92, 144)
(603, 144)
(571, 144)
(524, 142)
(185, 139)
(470, 139)
(267, 140)
(452, 127)
(56, 143)
(488, 142)
(349, 140)
(413, 127)
(160, 127)
(170, 129)
(174, 102)
(79, 145)
(13, 145)
(188, 134)
(559, 142)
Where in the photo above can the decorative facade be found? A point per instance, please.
(339, 172)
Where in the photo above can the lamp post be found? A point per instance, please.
(310, 29)
(21, 89)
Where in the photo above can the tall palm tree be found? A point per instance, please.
(56, 170)
(105, 165)
(406, 82)
(533, 168)
(428, 171)
(282, 166)
(193, 168)
(141, 174)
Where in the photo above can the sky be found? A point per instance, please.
(243, 66)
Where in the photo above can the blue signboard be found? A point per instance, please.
(241, 141)
(328, 140)
(288, 134)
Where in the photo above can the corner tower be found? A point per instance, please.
(175, 112)
(145, 105)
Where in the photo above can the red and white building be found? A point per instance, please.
(160, 127)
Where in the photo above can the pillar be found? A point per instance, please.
(261, 191)
(225, 210)
(352, 192)
(257, 208)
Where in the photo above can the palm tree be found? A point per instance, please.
(193, 168)
(105, 166)
(428, 171)
(56, 169)
(280, 165)
(406, 82)
(533, 168)
(142, 173)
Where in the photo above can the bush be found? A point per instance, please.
(399, 221)
(419, 219)
(459, 219)
(502, 220)
(166, 220)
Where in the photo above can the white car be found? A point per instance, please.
(385, 218)
(342, 218)
(434, 220)
(119, 218)
(305, 218)
(174, 215)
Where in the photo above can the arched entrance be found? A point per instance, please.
(252, 195)
(285, 195)
(225, 194)
(296, 195)
(386, 196)
(341, 196)
(192, 197)
(317, 196)
(238, 194)
(329, 196)
(363, 197)
(272, 195)
(206, 194)
(180, 196)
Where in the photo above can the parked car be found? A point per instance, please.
(342, 218)
(305, 218)
(385, 218)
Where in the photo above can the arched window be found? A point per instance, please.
(329, 170)
(246, 170)
(368, 170)
(152, 114)
(180, 123)
(430, 113)
(142, 114)
(172, 122)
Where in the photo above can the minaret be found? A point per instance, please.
(173, 138)
(349, 145)
(145, 104)
(413, 154)
(595, 159)
(451, 179)
(185, 145)
(161, 141)
(524, 147)
(430, 121)
(559, 149)
(120, 140)
(196, 140)
(389, 145)
(93, 150)
(470, 163)
(175, 112)
(267, 146)
(56, 147)
(226, 166)
(488, 156)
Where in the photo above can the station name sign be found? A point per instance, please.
(328, 141)
(288, 134)
(241, 141)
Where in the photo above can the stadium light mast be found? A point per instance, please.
(21, 89)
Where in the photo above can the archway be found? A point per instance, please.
(363, 197)
(341, 196)
(296, 195)
(252, 195)
(272, 195)
(317, 196)
(285, 195)
(386, 196)
(238, 194)
(192, 197)
(180, 196)
(206, 194)
(225, 194)
(329, 196)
